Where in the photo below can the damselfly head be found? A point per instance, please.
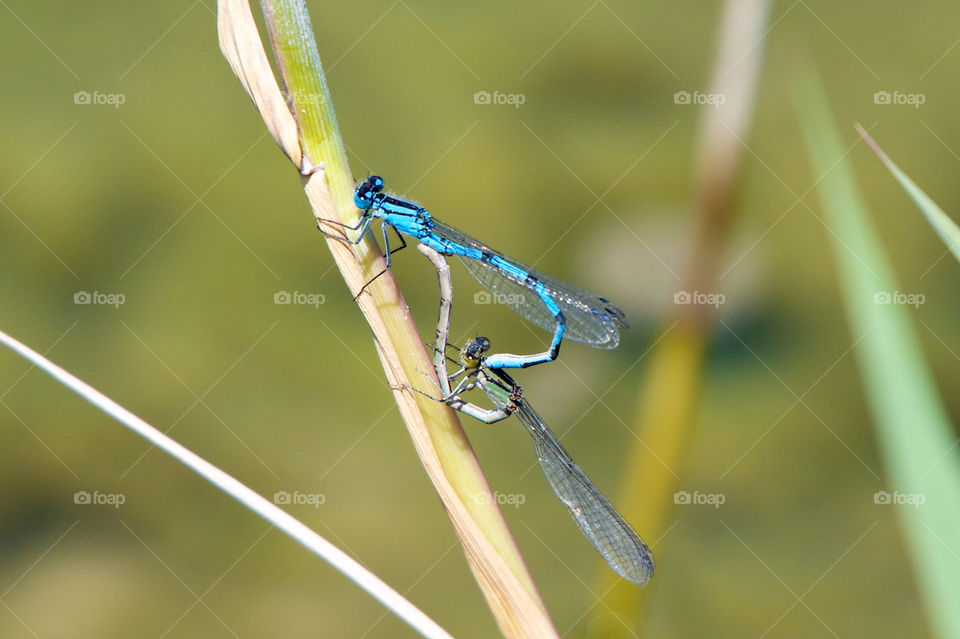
(472, 353)
(363, 196)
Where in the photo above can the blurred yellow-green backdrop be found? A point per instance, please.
(149, 227)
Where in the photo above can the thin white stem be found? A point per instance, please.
(246, 496)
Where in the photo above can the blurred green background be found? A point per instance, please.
(178, 201)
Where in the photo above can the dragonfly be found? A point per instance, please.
(548, 302)
(603, 526)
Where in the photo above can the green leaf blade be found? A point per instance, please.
(946, 228)
(916, 439)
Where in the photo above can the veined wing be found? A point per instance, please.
(599, 521)
(591, 319)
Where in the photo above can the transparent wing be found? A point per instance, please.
(599, 521)
(591, 319)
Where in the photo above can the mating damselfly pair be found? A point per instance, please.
(548, 302)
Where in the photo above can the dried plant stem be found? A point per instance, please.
(436, 433)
